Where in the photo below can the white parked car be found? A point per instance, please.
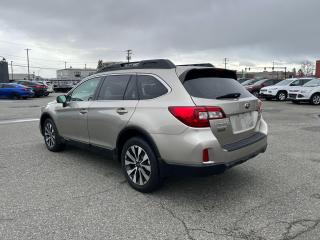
(309, 92)
(49, 86)
(280, 90)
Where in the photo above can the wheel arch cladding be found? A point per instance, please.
(43, 118)
(130, 132)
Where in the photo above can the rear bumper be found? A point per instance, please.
(218, 168)
(187, 149)
(298, 96)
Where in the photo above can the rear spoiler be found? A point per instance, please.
(207, 72)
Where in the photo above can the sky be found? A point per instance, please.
(249, 33)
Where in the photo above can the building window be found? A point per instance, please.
(77, 74)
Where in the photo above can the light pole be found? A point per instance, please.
(11, 71)
(28, 49)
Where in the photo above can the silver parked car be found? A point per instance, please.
(158, 118)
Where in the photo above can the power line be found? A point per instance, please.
(48, 68)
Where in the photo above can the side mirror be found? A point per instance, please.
(62, 99)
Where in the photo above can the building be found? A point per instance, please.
(24, 76)
(318, 69)
(74, 73)
(266, 75)
(4, 72)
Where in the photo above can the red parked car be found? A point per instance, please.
(255, 88)
(38, 88)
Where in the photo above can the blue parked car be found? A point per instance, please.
(14, 90)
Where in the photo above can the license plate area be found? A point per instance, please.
(242, 122)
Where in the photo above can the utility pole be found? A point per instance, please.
(11, 72)
(28, 49)
(85, 66)
(129, 53)
(225, 62)
(65, 65)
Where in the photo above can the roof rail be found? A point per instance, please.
(151, 64)
(197, 65)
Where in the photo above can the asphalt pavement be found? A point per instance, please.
(79, 194)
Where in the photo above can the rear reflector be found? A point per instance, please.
(197, 116)
(205, 155)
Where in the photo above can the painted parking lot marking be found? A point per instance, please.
(19, 120)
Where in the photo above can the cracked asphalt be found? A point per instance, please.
(78, 194)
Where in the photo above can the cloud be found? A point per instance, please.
(244, 31)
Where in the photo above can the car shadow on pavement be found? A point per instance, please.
(240, 178)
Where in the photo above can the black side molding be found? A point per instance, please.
(244, 142)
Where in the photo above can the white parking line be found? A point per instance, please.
(19, 120)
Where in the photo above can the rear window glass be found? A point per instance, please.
(149, 87)
(211, 88)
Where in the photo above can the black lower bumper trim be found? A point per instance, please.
(244, 142)
(218, 168)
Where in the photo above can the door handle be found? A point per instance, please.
(83, 111)
(122, 111)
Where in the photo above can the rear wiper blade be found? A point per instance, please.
(230, 95)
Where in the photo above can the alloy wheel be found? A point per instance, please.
(316, 99)
(282, 96)
(49, 135)
(137, 165)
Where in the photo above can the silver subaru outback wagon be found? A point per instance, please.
(159, 118)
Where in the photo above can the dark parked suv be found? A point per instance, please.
(255, 88)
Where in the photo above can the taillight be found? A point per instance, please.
(197, 116)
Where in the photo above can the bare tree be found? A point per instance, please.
(307, 67)
(100, 64)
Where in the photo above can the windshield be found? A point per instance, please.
(312, 83)
(249, 82)
(284, 82)
(259, 82)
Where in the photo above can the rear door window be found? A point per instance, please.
(211, 87)
(150, 87)
(114, 87)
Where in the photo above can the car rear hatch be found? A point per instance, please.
(213, 87)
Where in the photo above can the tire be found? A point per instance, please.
(315, 99)
(281, 96)
(51, 136)
(46, 94)
(295, 101)
(140, 165)
(15, 96)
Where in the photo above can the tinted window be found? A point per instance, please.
(149, 87)
(304, 81)
(113, 87)
(132, 91)
(269, 82)
(212, 88)
(85, 91)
